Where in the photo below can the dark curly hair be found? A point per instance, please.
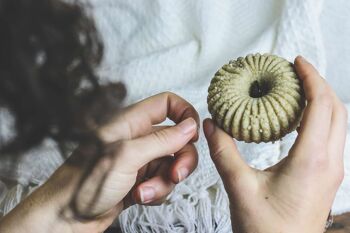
(49, 51)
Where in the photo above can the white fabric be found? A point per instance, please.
(158, 45)
(335, 27)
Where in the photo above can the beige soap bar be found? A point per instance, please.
(258, 98)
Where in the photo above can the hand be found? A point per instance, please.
(296, 194)
(143, 165)
(141, 168)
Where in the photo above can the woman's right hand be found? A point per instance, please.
(296, 194)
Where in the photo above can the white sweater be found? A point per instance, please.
(162, 45)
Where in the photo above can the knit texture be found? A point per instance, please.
(156, 45)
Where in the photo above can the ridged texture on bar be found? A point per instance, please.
(258, 98)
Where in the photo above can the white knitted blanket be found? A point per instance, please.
(162, 45)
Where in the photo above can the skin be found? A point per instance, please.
(139, 150)
(295, 195)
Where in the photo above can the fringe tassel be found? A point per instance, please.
(190, 208)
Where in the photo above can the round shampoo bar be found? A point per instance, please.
(258, 98)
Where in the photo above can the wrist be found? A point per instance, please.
(34, 214)
(62, 185)
(47, 210)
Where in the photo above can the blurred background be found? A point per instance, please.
(161, 45)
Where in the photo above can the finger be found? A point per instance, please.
(186, 161)
(160, 127)
(156, 188)
(157, 202)
(158, 144)
(137, 119)
(338, 131)
(315, 125)
(225, 155)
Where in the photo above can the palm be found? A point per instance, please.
(281, 195)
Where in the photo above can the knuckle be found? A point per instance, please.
(161, 137)
(339, 175)
(217, 152)
(337, 172)
(123, 148)
(318, 161)
(325, 99)
(336, 175)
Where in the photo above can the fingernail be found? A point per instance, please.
(302, 59)
(210, 127)
(187, 126)
(182, 173)
(147, 194)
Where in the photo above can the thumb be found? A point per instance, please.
(225, 155)
(164, 142)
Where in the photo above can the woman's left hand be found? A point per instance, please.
(146, 160)
(142, 165)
